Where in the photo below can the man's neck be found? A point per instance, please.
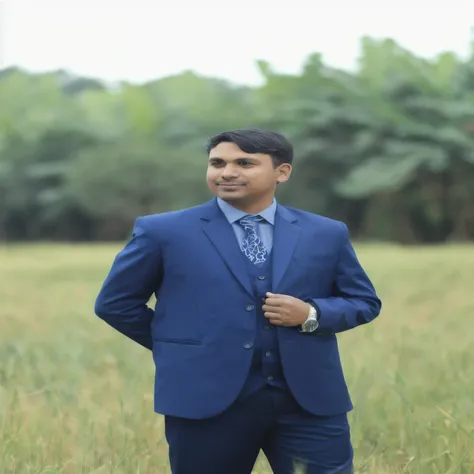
(252, 208)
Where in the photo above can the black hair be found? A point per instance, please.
(254, 140)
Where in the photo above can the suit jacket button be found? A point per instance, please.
(261, 277)
(248, 345)
(250, 307)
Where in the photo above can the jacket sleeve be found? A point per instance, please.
(353, 301)
(135, 275)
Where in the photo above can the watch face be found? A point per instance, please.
(311, 325)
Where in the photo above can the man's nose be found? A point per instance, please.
(229, 172)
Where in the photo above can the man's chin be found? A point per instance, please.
(230, 192)
(231, 196)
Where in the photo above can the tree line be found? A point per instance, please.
(388, 148)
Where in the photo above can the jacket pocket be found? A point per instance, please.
(183, 342)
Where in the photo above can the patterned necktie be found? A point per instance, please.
(252, 245)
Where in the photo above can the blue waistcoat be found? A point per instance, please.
(266, 366)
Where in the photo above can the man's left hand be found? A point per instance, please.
(284, 310)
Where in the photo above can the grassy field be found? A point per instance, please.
(76, 396)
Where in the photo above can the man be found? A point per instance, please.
(250, 296)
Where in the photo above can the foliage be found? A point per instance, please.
(389, 149)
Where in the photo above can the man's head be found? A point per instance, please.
(246, 165)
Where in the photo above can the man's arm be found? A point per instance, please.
(354, 301)
(133, 278)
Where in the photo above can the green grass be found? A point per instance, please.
(76, 396)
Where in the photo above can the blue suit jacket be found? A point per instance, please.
(204, 318)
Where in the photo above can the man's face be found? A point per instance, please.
(243, 178)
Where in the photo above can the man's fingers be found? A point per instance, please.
(274, 302)
(270, 308)
(276, 322)
(275, 319)
(275, 295)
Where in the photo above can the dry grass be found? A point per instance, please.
(76, 397)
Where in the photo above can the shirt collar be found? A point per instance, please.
(233, 214)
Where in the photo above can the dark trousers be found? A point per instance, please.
(269, 420)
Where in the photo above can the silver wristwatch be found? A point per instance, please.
(311, 324)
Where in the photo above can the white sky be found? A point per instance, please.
(115, 40)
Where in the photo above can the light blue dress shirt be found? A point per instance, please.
(264, 228)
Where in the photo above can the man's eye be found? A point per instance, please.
(245, 163)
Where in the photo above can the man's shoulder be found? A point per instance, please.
(168, 217)
(306, 217)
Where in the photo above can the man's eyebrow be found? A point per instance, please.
(247, 158)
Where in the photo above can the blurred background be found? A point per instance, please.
(105, 110)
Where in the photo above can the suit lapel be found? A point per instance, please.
(222, 236)
(285, 238)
